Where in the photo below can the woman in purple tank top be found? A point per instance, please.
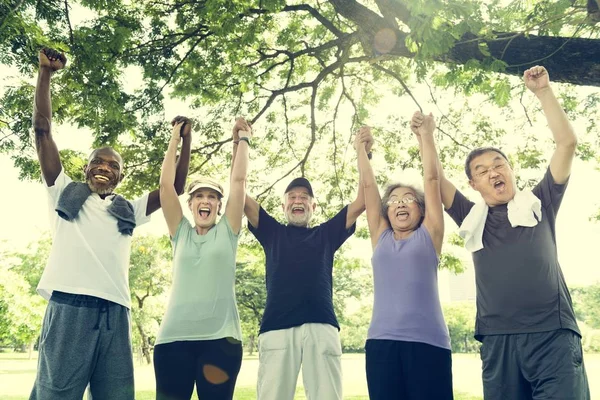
(408, 347)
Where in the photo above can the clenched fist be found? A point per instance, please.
(52, 59)
(536, 78)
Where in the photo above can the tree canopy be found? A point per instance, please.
(307, 73)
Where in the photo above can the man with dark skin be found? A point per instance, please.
(85, 338)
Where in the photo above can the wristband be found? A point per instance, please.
(245, 139)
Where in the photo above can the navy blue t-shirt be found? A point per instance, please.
(299, 268)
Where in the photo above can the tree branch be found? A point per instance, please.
(71, 41)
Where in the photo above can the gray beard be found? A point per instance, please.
(299, 222)
(100, 191)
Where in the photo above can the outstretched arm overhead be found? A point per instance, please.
(377, 223)
(363, 140)
(423, 127)
(169, 197)
(447, 188)
(184, 132)
(242, 132)
(50, 61)
(537, 80)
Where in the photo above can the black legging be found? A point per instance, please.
(212, 364)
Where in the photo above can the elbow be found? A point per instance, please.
(569, 143)
(238, 179)
(432, 178)
(41, 125)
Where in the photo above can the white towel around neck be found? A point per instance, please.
(522, 211)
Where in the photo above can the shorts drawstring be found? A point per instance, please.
(103, 307)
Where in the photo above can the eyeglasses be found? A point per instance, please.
(484, 172)
(404, 200)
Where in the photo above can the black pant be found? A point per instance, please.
(212, 364)
(408, 371)
(526, 366)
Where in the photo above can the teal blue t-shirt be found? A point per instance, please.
(202, 304)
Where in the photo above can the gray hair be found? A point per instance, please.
(419, 194)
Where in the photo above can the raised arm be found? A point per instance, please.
(252, 210)
(168, 196)
(182, 166)
(537, 80)
(447, 188)
(50, 61)
(363, 140)
(423, 126)
(376, 222)
(242, 132)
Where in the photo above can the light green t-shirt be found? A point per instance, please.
(202, 304)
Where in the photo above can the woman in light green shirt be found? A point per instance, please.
(199, 340)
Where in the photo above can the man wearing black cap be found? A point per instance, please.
(299, 326)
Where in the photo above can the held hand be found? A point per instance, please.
(366, 137)
(428, 125)
(176, 132)
(416, 121)
(241, 128)
(52, 59)
(421, 124)
(363, 136)
(185, 125)
(536, 78)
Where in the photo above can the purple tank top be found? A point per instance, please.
(407, 303)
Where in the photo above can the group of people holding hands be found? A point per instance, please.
(531, 346)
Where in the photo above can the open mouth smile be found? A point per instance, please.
(204, 212)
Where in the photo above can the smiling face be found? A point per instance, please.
(205, 205)
(493, 178)
(403, 211)
(104, 171)
(298, 206)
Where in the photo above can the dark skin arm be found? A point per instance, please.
(183, 164)
(50, 61)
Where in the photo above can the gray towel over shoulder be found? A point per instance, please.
(76, 193)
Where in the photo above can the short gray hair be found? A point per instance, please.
(419, 194)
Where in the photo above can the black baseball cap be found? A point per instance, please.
(303, 182)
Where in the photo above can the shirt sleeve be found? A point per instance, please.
(139, 209)
(54, 191)
(460, 208)
(336, 229)
(550, 193)
(183, 230)
(267, 225)
(233, 237)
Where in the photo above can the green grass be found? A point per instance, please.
(17, 374)
(249, 393)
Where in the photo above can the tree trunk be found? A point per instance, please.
(145, 344)
(251, 345)
(31, 349)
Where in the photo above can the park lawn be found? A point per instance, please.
(17, 374)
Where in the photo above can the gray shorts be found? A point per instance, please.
(84, 340)
(527, 366)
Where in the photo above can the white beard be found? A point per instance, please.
(100, 191)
